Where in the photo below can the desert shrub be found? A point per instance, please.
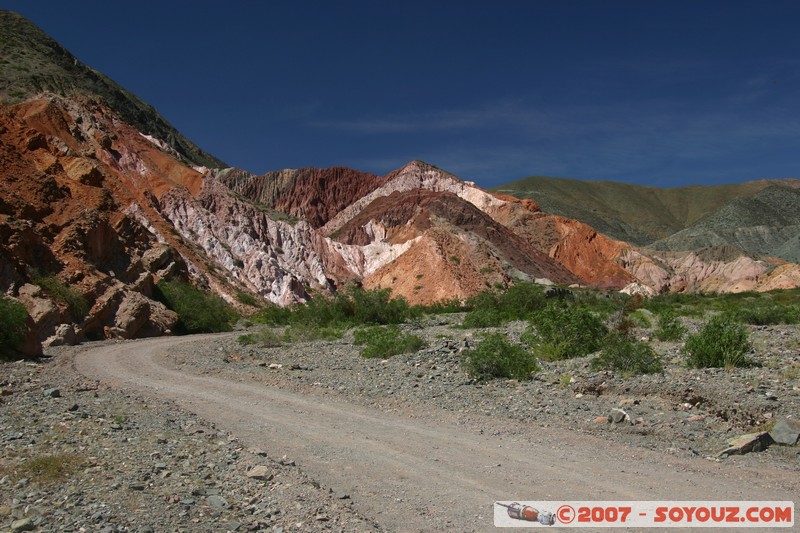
(386, 341)
(76, 303)
(351, 307)
(669, 327)
(682, 304)
(247, 299)
(622, 353)
(721, 342)
(377, 307)
(263, 337)
(48, 469)
(518, 302)
(770, 313)
(198, 312)
(522, 299)
(13, 328)
(272, 315)
(483, 318)
(495, 357)
(564, 331)
(454, 305)
(307, 332)
(601, 303)
(640, 318)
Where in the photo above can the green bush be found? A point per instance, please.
(13, 319)
(495, 357)
(377, 307)
(564, 331)
(767, 314)
(518, 302)
(669, 327)
(263, 337)
(76, 303)
(386, 341)
(198, 312)
(601, 303)
(49, 469)
(484, 317)
(622, 353)
(721, 342)
(640, 318)
(454, 305)
(272, 315)
(352, 307)
(247, 299)
(308, 332)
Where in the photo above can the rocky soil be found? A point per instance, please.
(136, 464)
(113, 462)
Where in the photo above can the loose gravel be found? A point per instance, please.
(136, 464)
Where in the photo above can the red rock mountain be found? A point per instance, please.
(89, 199)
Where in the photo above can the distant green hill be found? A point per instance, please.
(767, 223)
(761, 217)
(31, 63)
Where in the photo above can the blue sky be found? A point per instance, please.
(651, 92)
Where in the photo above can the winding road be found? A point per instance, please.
(424, 471)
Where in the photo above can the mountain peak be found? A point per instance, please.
(417, 167)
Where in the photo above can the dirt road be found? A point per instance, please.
(425, 471)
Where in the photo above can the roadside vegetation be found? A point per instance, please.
(722, 342)
(198, 311)
(495, 357)
(670, 327)
(76, 303)
(564, 331)
(613, 330)
(386, 341)
(13, 318)
(491, 309)
(46, 469)
(627, 355)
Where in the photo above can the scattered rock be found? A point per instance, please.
(260, 472)
(64, 334)
(627, 402)
(52, 393)
(217, 502)
(22, 525)
(618, 416)
(752, 442)
(786, 431)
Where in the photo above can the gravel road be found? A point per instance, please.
(425, 468)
